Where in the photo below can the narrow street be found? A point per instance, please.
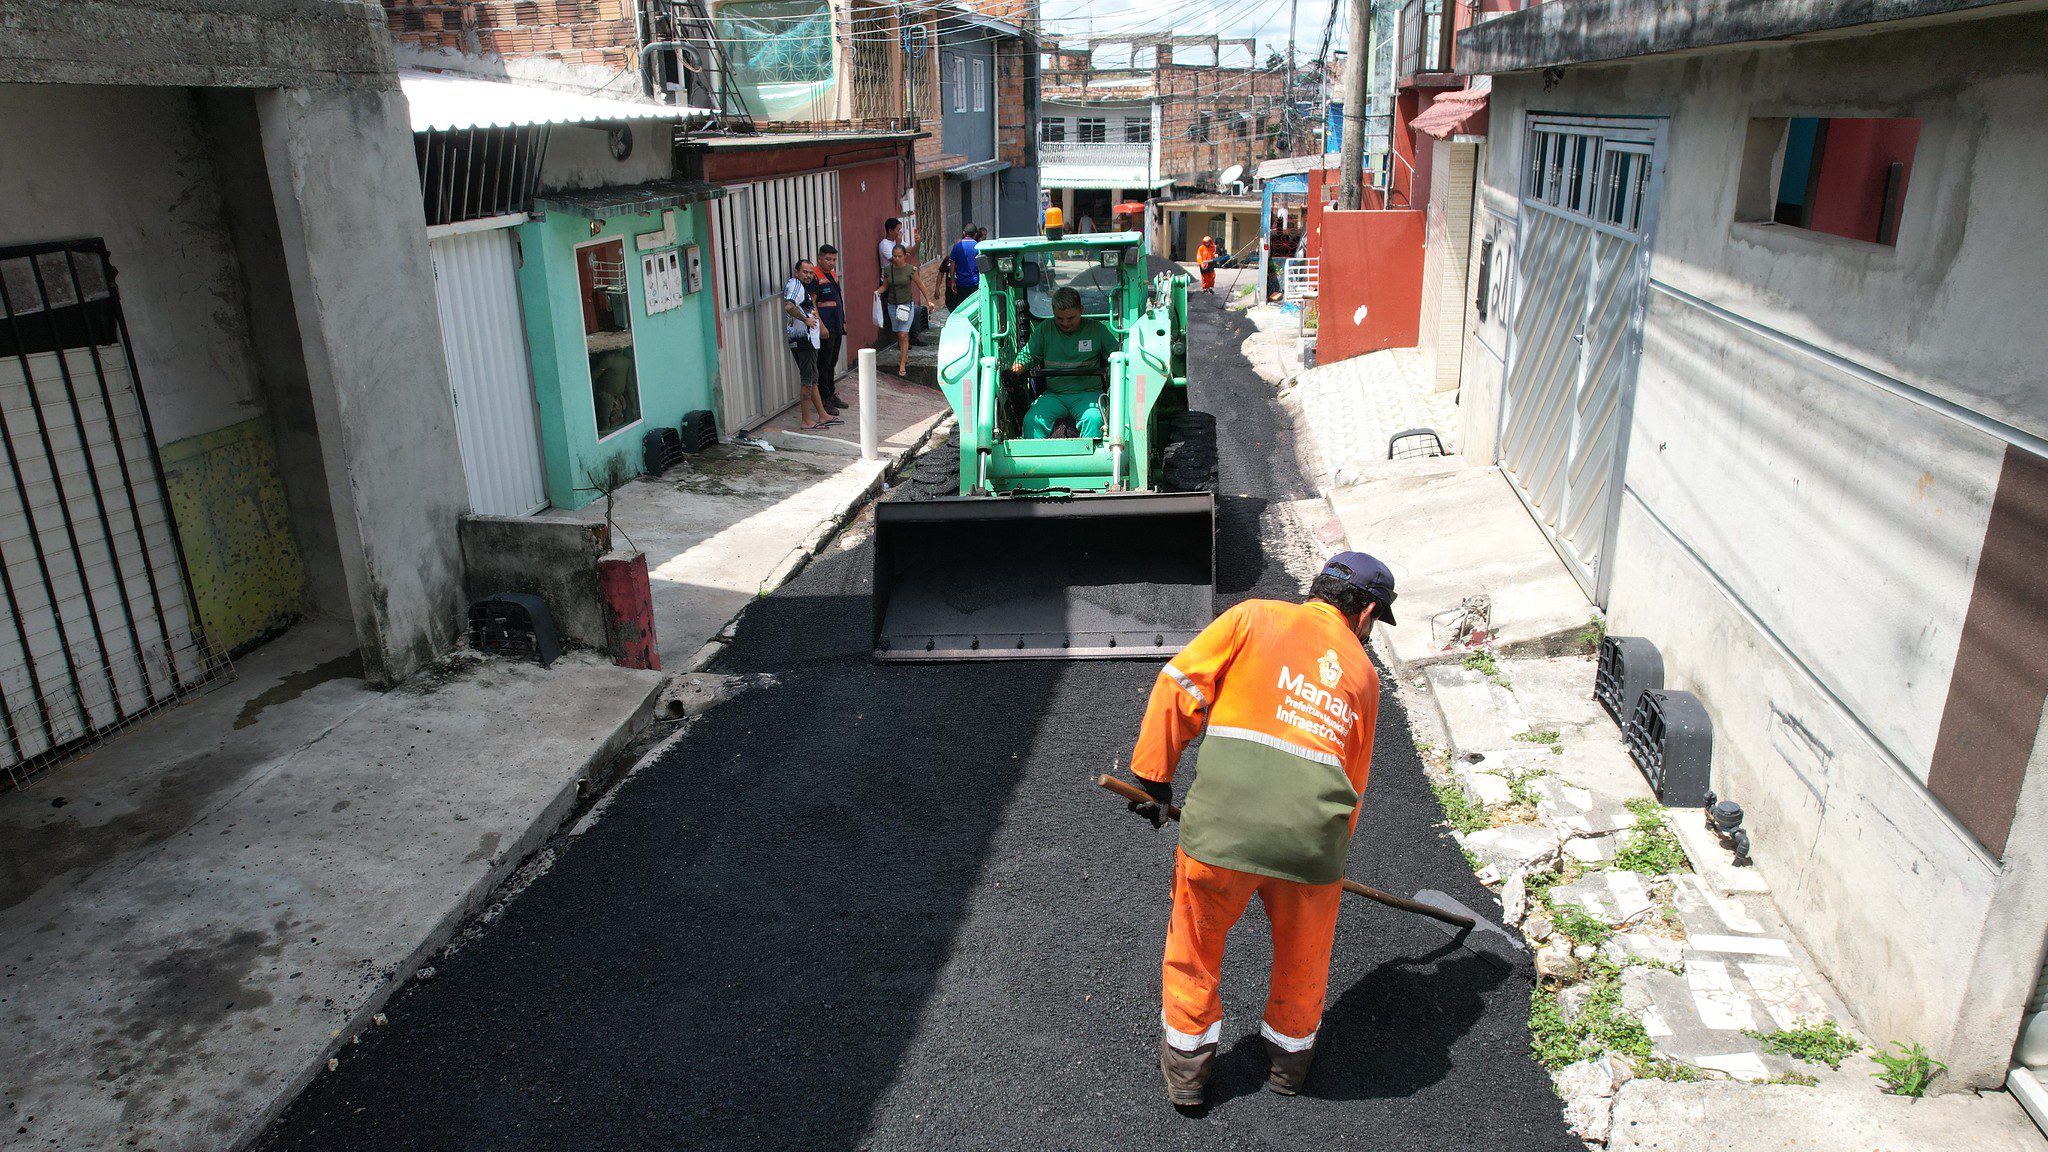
(881, 907)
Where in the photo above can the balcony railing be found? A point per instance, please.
(1118, 161)
(1425, 38)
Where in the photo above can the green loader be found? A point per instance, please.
(1074, 542)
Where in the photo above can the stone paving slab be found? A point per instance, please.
(1355, 405)
(1654, 1116)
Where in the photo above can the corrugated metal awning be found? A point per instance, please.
(1452, 110)
(627, 199)
(976, 170)
(444, 100)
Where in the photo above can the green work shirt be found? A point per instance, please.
(1087, 349)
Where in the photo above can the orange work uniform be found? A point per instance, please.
(1205, 255)
(1286, 701)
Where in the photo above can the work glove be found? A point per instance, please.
(1155, 808)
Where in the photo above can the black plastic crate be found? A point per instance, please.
(514, 624)
(661, 448)
(698, 430)
(1672, 741)
(1629, 666)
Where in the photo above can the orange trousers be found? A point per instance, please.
(1209, 277)
(1207, 900)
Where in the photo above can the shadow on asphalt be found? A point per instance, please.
(881, 908)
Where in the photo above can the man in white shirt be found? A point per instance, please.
(892, 235)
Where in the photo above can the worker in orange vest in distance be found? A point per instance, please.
(1205, 255)
(1286, 700)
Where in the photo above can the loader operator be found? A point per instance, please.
(1067, 343)
(1288, 700)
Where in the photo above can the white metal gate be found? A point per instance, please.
(760, 231)
(476, 284)
(1582, 264)
(99, 627)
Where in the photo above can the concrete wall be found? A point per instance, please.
(237, 148)
(582, 157)
(676, 352)
(552, 559)
(1818, 433)
(139, 169)
(362, 287)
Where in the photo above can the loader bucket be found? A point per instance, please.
(1118, 575)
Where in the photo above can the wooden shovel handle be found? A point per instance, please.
(1132, 792)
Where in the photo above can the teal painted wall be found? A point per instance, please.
(676, 351)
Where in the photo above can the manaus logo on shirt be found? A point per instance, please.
(1088, 345)
(1329, 669)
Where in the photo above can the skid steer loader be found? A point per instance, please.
(1067, 546)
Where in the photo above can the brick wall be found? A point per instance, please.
(1016, 105)
(599, 32)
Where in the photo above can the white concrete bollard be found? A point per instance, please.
(870, 425)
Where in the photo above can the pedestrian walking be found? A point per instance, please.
(963, 275)
(902, 295)
(1285, 700)
(800, 327)
(1205, 255)
(828, 298)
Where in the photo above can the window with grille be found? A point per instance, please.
(1053, 130)
(1137, 131)
(957, 73)
(1579, 173)
(981, 86)
(1093, 130)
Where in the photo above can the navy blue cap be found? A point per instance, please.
(1366, 574)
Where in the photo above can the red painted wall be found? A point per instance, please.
(861, 210)
(1371, 260)
(861, 214)
(1848, 197)
(1410, 179)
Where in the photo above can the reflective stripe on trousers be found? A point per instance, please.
(1207, 900)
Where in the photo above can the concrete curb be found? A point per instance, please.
(891, 465)
(553, 817)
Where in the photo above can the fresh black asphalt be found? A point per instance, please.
(881, 907)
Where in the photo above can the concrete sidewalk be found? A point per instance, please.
(202, 910)
(733, 522)
(1451, 532)
(198, 914)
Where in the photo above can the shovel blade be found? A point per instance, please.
(1484, 939)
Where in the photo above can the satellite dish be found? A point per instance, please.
(1231, 174)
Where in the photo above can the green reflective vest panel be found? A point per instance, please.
(1268, 809)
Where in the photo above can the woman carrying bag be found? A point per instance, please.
(901, 295)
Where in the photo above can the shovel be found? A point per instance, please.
(1475, 933)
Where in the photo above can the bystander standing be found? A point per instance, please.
(800, 327)
(828, 298)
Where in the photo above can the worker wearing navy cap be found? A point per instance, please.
(1285, 699)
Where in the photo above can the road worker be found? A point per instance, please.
(1073, 344)
(1205, 255)
(1285, 699)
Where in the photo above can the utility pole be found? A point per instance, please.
(1351, 152)
(1287, 93)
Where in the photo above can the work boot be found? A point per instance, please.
(1290, 1069)
(1186, 1072)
